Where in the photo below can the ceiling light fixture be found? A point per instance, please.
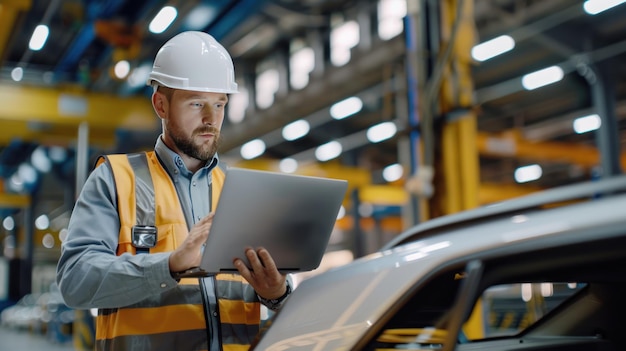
(163, 19)
(381, 131)
(528, 173)
(40, 160)
(8, 223)
(267, 85)
(328, 151)
(200, 17)
(42, 222)
(492, 48)
(390, 18)
(17, 74)
(288, 165)
(393, 172)
(237, 106)
(594, 7)
(346, 108)
(121, 69)
(301, 64)
(296, 130)
(39, 37)
(253, 148)
(587, 123)
(139, 76)
(542, 77)
(342, 39)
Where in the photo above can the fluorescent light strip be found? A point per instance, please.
(163, 19)
(594, 7)
(492, 48)
(39, 37)
(542, 77)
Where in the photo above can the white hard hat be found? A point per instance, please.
(194, 61)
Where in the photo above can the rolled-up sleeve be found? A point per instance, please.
(89, 273)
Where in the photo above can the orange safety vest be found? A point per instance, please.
(175, 319)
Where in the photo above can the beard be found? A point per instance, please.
(202, 152)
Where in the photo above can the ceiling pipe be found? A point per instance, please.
(229, 17)
(570, 65)
(234, 16)
(95, 10)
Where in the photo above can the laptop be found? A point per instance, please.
(292, 216)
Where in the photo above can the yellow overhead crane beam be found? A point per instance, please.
(9, 12)
(56, 135)
(14, 201)
(32, 113)
(356, 177)
(508, 144)
(393, 194)
(512, 144)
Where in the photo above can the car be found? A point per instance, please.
(25, 314)
(546, 271)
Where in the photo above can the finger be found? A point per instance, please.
(204, 220)
(243, 270)
(202, 227)
(266, 259)
(254, 260)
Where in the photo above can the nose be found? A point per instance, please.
(209, 115)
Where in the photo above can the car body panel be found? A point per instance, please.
(334, 310)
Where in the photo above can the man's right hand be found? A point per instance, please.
(189, 253)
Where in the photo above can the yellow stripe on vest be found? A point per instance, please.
(133, 321)
(251, 316)
(233, 278)
(124, 184)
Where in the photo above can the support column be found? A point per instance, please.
(357, 231)
(607, 137)
(414, 31)
(21, 264)
(459, 162)
(82, 156)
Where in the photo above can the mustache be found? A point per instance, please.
(207, 130)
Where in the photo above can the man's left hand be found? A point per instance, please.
(263, 275)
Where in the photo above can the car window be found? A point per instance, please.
(508, 309)
(420, 322)
(501, 310)
(570, 296)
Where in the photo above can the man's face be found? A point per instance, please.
(193, 121)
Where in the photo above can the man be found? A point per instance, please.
(143, 218)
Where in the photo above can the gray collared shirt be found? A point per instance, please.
(193, 188)
(89, 273)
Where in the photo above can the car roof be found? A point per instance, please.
(336, 308)
(544, 198)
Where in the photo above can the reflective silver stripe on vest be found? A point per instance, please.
(144, 189)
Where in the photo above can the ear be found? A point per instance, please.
(159, 103)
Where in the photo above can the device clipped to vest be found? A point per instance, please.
(144, 237)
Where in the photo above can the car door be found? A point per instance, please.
(565, 296)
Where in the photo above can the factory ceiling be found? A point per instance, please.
(70, 83)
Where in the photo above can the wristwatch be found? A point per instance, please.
(275, 303)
